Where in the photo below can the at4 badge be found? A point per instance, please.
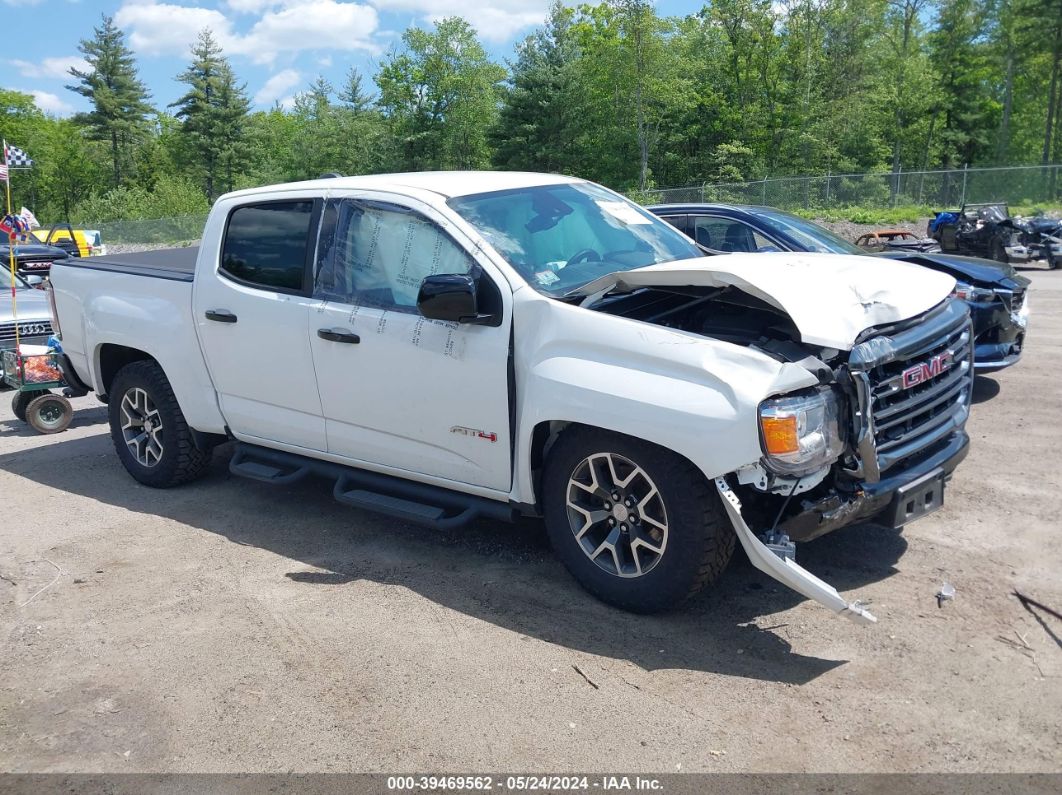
(475, 433)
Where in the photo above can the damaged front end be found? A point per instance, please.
(876, 440)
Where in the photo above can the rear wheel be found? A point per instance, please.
(148, 429)
(637, 525)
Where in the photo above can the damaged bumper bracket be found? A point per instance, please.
(786, 571)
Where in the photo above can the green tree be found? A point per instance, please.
(440, 96)
(119, 99)
(535, 125)
(962, 64)
(213, 113)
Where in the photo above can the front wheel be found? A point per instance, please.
(637, 525)
(148, 429)
(20, 402)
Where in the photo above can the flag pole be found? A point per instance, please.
(11, 256)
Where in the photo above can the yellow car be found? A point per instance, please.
(87, 242)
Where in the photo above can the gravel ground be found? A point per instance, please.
(226, 626)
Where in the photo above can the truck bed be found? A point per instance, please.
(175, 264)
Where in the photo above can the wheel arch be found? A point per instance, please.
(110, 358)
(546, 433)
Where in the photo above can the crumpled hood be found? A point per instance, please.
(976, 270)
(831, 298)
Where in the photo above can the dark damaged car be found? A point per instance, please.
(995, 293)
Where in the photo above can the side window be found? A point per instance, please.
(677, 221)
(726, 234)
(378, 254)
(265, 244)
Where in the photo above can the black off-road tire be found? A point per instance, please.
(20, 402)
(49, 413)
(999, 253)
(700, 537)
(180, 461)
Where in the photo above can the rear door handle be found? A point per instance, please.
(220, 315)
(338, 335)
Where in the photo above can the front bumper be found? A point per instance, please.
(878, 500)
(999, 335)
(1017, 253)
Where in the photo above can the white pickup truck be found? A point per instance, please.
(447, 346)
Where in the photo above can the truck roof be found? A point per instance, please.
(444, 183)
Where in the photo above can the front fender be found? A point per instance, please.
(696, 396)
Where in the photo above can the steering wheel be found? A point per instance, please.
(583, 255)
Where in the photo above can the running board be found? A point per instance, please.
(786, 570)
(417, 503)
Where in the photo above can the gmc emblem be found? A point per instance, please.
(920, 373)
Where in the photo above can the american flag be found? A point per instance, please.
(3, 173)
(16, 158)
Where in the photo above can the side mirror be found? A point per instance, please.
(34, 280)
(451, 297)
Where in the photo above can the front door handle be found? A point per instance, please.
(338, 335)
(220, 315)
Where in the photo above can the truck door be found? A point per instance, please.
(252, 315)
(400, 391)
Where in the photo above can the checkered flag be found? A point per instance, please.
(16, 158)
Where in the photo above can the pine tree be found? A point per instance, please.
(534, 130)
(352, 95)
(119, 99)
(214, 115)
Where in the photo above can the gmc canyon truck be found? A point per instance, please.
(447, 346)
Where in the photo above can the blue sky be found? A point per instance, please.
(277, 46)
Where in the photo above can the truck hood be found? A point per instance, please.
(978, 272)
(831, 298)
(32, 306)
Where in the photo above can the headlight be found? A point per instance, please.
(801, 433)
(975, 295)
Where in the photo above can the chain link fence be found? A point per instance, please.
(938, 189)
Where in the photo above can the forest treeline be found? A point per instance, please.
(611, 92)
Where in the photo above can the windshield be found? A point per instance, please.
(809, 235)
(559, 237)
(5, 281)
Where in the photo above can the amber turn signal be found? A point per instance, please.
(780, 434)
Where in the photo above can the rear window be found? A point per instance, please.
(265, 244)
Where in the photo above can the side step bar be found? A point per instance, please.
(417, 503)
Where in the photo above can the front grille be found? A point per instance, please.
(917, 386)
(35, 265)
(26, 329)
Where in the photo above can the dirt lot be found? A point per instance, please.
(227, 626)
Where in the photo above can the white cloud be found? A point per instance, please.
(51, 103)
(312, 25)
(495, 20)
(57, 68)
(167, 29)
(277, 87)
(251, 6)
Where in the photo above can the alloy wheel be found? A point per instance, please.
(617, 514)
(141, 427)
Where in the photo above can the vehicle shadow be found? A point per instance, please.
(984, 389)
(82, 418)
(498, 573)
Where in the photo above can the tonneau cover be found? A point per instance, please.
(177, 264)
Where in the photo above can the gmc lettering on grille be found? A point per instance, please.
(926, 371)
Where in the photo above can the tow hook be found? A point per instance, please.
(783, 567)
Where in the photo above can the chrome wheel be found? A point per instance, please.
(617, 514)
(141, 427)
